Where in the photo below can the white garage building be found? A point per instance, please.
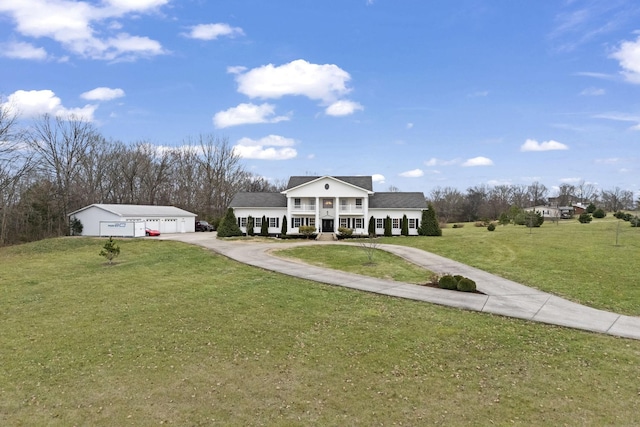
(111, 220)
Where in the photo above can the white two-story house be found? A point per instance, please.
(328, 203)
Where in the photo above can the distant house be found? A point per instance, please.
(98, 219)
(556, 212)
(328, 203)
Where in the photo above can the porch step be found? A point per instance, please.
(326, 237)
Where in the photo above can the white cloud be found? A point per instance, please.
(439, 162)
(571, 180)
(593, 91)
(270, 140)
(415, 173)
(628, 56)
(325, 82)
(533, 145)
(84, 28)
(102, 94)
(272, 147)
(247, 114)
(136, 5)
(621, 117)
(343, 108)
(478, 161)
(22, 50)
(33, 103)
(213, 31)
(378, 178)
(409, 125)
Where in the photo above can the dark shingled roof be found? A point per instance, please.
(414, 200)
(259, 200)
(359, 181)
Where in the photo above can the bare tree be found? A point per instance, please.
(537, 194)
(221, 171)
(15, 163)
(585, 192)
(499, 200)
(519, 196)
(448, 202)
(60, 145)
(617, 199)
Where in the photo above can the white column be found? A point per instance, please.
(288, 213)
(318, 222)
(336, 221)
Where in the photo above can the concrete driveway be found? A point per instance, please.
(501, 296)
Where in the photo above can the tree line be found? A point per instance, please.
(57, 165)
(485, 202)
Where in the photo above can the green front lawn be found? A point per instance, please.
(580, 262)
(174, 334)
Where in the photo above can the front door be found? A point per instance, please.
(327, 226)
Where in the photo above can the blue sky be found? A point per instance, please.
(420, 94)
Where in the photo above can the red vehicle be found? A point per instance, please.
(150, 232)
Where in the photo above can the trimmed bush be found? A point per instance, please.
(345, 232)
(250, 226)
(307, 230)
(491, 227)
(372, 226)
(466, 285)
(429, 225)
(404, 229)
(387, 227)
(283, 228)
(448, 282)
(585, 218)
(264, 226)
(599, 213)
(229, 225)
(591, 208)
(635, 221)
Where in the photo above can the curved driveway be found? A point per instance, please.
(501, 296)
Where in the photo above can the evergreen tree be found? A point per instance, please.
(372, 226)
(264, 227)
(283, 229)
(250, 226)
(430, 225)
(229, 225)
(405, 226)
(387, 227)
(110, 250)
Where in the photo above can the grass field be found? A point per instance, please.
(580, 262)
(173, 334)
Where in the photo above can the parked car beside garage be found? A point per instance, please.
(203, 226)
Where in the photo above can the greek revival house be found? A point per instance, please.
(330, 202)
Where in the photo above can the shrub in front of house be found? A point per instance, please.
(229, 225)
(448, 282)
(591, 208)
(250, 226)
(585, 218)
(345, 232)
(466, 285)
(387, 227)
(599, 213)
(307, 230)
